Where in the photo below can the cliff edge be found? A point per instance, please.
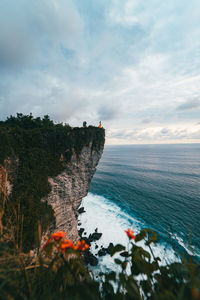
(45, 171)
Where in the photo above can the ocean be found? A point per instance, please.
(147, 186)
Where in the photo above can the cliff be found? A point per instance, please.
(70, 186)
(45, 171)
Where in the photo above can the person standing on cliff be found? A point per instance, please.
(100, 124)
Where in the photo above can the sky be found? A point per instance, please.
(133, 64)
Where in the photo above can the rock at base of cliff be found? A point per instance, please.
(81, 210)
(90, 258)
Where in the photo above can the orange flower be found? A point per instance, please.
(66, 244)
(195, 294)
(75, 247)
(82, 246)
(130, 234)
(57, 235)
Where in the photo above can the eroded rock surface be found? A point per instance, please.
(69, 187)
(7, 175)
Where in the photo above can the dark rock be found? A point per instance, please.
(102, 252)
(90, 258)
(95, 236)
(81, 210)
(79, 224)
(81, 230)
(87, 240)
(110, 248)
(96, 230)
(96, 246)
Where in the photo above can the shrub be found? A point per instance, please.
(58, 272)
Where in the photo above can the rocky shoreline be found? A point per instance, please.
(89, 257)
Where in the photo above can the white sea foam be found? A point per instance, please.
(190, 249)
(111, 221)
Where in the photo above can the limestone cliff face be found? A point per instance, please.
(3, 184)
(7, 173)
(69, 187)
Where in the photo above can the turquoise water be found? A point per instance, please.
(156, 185)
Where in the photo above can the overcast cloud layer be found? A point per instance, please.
(134, 65)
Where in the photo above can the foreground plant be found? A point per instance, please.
(58, 242)
(130, 234)
(142, 275)
(59, 272)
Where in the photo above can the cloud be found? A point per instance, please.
(31, 31)
(107, 112)
(189, 104)
(146, 121)
(14, 48)
(133, 66)
(155, 134)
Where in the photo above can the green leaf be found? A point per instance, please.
(118, 261)
(140, 254)
(124, 265)
(122, 278)
(149, 233)
(117, 248)
(140, 236)
(111, 276)
(125, 254)
(145, 286)
(145, 253)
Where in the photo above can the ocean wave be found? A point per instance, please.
(111, 221)
(190, 249)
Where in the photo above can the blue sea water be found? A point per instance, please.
(154, 186)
